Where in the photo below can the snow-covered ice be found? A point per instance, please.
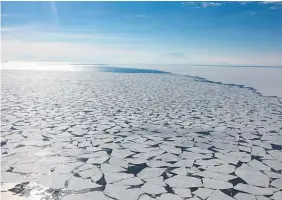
(82, 135)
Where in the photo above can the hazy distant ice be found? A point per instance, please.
(267, 81)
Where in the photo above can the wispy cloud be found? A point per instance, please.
(83, 36)
(203, 4)
(274, 5)
(46, 32)
(80, 30)
(54, 12)
(11, 15)
(187, 3)
(176, 55)
(243, 2)
(211, 4)
(5, 15)
(268, 2)
(6, 29)
(252, 13)
(18, 50)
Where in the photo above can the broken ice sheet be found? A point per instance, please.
(203, 192)
(87, 196)
(182, 192)
(171, 149)
(98, 160)
(114, 177)
(156, 180)
(130, 181)
(244, 196)
(122, 192)
(215, 175)
(56, 181)
(169, 196)
(108, 168)
(180, 171)
(179, 181)
(117, 153)
(186, 142)
(252, 176)
(277, 183)
(225, 168)
(153, 189)
(216, 184)
(81, 184)
(258, 165)
(90, 172)
(218, 195)
(254, 189)
(150, 172)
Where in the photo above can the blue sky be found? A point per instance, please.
(235, 33)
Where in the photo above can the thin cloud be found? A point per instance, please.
(54, 13)
(85, 30)
(6, 29)
(18, 50)
(11, 15)
(268, 2)
(84, 36)
(46, 32)
(202, 4)
(275, 5)
(252, 13)
(5, 15)
(211, 4)
(243, 2)
(187, 3)
(176, 55)
(55, 51)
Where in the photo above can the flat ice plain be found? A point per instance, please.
(266, 80)
(136, 136)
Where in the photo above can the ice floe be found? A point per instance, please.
(137, 136)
